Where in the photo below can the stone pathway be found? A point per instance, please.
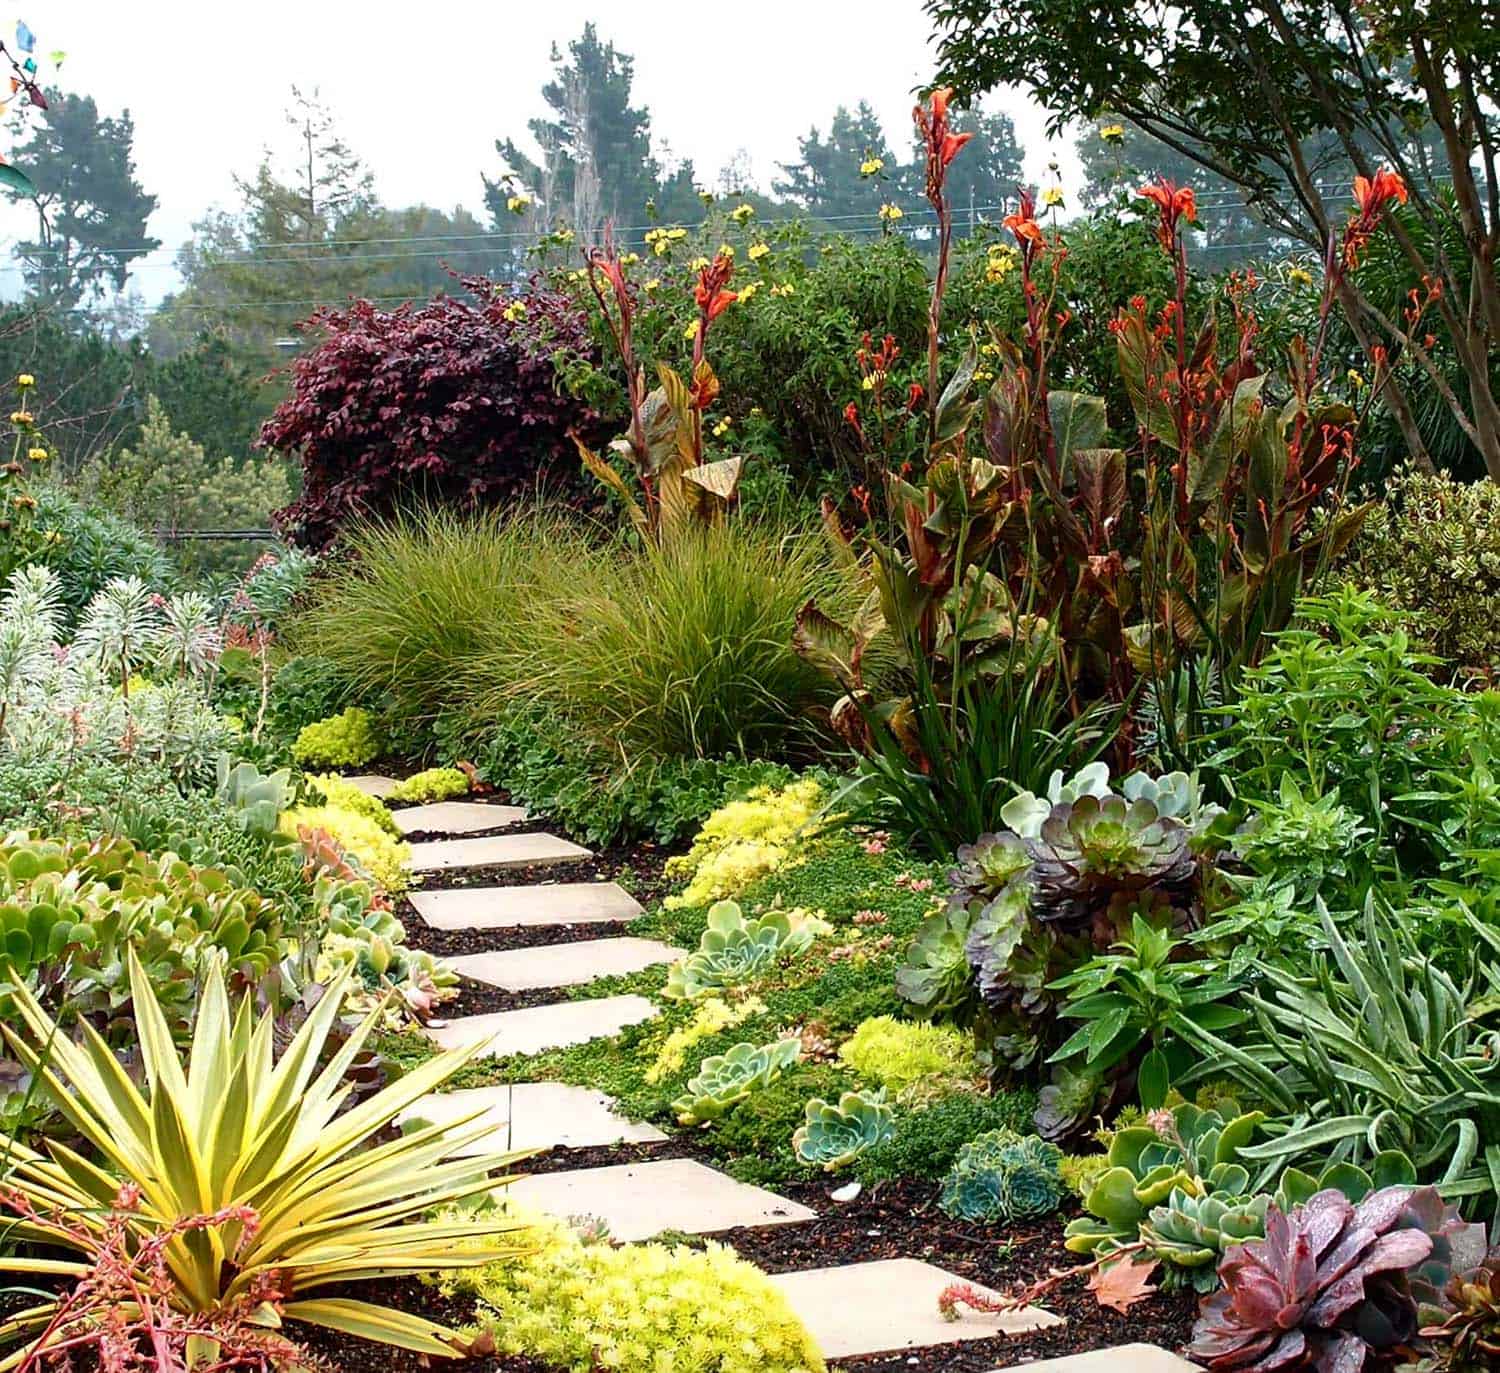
(852, 1309)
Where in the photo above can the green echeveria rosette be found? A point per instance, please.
(934, 976)
(724, 1080)
(1002, 1176)
(733, 950)
(834, 1135)
(987, 865)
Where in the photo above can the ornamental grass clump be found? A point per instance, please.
(276, 1173)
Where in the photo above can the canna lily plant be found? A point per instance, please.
(264, 1181)
(663, 444)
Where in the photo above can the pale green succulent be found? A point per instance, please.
(1025, 811)
(734, 950)
(726, 1079)
(1189, 1233)
(256, 798)
(835, 1135)
(1003, 1176)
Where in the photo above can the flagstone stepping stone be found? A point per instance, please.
(494, 908)
(498, 851)
(534, 1115)
(455, 817)
(535, 1028)
(562, 965)
(372, 784)
(638, 1200)
(1127, 1358)
(868, 1308)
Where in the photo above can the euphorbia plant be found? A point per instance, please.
(663, 443)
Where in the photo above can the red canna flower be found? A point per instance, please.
(1374, 194)
(1174, 204)
(711, 293)
(941, 143)
(914, 397)
(1023, 222)
(851, 414)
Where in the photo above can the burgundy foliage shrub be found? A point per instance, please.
(452, 401)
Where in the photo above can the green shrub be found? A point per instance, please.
(437, 608)
(928, 1140)
(910, 1059)
(636, 1308)
(304, 690)
(684, 651)
(89, 548)
(346, 740)
(1431, 549)
(431, 784)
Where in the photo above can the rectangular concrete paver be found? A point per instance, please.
(455, 817)
(498, 851)
(869, 1308)
(373, 784)
(562, 965)
(533, 1115)
(495, 908)
(536, 1028)
(1126, 1358)
(639, 1200)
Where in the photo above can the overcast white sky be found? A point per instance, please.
(421, 91)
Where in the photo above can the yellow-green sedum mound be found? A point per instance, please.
(638, 1308)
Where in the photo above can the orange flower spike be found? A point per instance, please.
(952, 144)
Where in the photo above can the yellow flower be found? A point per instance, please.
(1052, 196)
(697, 264)
(872, 166)
(741, 213)
(1299, 276)
(691, 332)
(651, 284)
(514, 311)
(1356, 380)
(20, 416)
(725, 250)
(630, 259)
(748, 290)
(756, 251)
(518, 204)
(784, 288)
(891, 213)
(25, 379)
(869, 382)
(38, 454)
(577, 274)
(1000, 263)
(1113, 133)
(721, 428)
(563, 235)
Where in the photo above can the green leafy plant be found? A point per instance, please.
(834, 1135)
(733, 951)
(346, 740)
(256, 798)
(1303, 841)
(264, 1146)
(1002, 1176)
(934, 975)
(724, 1080)
(912, 1061)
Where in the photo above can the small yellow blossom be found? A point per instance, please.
(698, 264)
(756, 251)
(20, 417)
(741, 213)
(869, 381)
(563, 236)
(577, 274)
(1299, 276)
(755, 410)
(1052, 196)
(691, 332)
(1000, 263)
(25, 379)
(721, 428)
(514, 311)
(23, 502)
(726, 250)
(784, 288)
(872, 166)
(1356, 380)
(748, 290)
(1113, 133)
(38, 454)
(630, 259)
(891, 213)
(661, 240)
(651, 284)
(518, 204)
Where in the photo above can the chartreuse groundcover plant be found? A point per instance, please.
(269, 1148)
(347, 740)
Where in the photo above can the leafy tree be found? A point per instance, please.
(1245, 89)
(826, 181)
(83, 169)
(596, 148)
